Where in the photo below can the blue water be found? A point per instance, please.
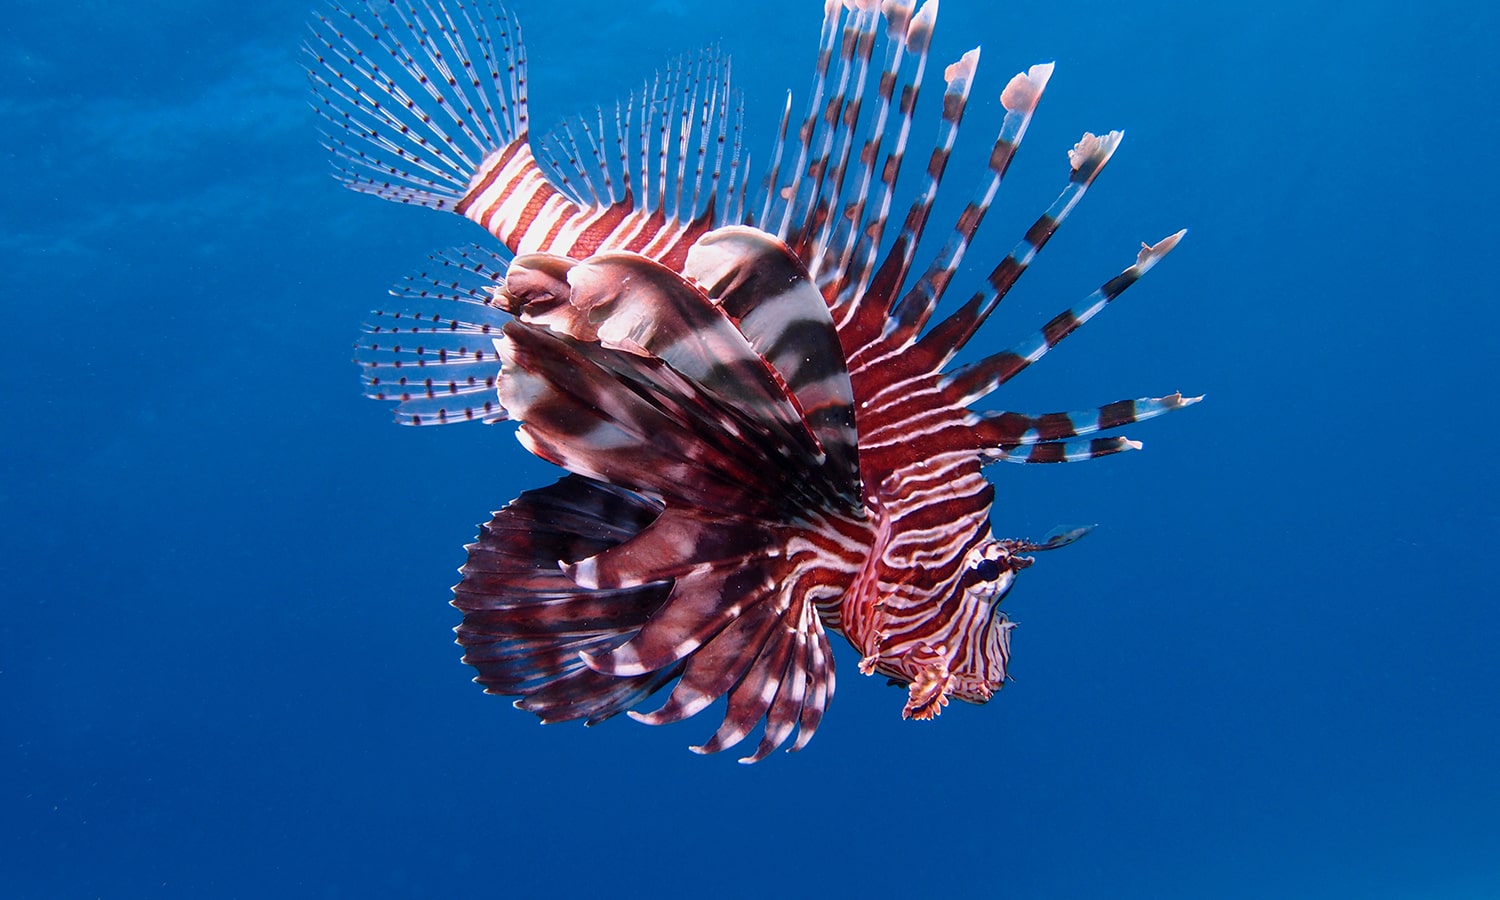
(225, 660)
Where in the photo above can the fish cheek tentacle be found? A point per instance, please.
(929, 690)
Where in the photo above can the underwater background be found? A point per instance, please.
(226, 664)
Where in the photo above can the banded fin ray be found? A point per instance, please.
(716, 667)
(680, 540)
(958, 80)
(866, 314)
(1085, 161)
(752, 699)
(1019, 99)
(973, 381)
(840, 117)
(656, 170)
(789, 706)
(1059, 451)
(737, 632)
(703, 602)
(1000, 427)
(852, 225)
(909, 36)
(781, 201)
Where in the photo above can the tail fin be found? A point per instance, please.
(415, 100)
(425, 103)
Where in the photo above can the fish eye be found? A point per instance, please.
(987, 569)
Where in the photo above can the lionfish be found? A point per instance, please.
(765, 437)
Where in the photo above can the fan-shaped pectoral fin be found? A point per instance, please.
(525, 623)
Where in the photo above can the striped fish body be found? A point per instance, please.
(765, 438)
(512, 199)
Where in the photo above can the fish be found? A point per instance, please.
(765, 438)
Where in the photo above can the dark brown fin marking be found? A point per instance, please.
(525, 622)
(1009, 429)
(1061, 451)
(837, 268)
(764, 289)
(973, 381)
(635, 420)
(590, 419)
(840, 118)
(783, 200)
(701, 605)
(1019, 99)
(1086, 160)
(643, 308)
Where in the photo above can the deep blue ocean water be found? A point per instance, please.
(226, 668)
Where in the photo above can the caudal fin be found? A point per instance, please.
(415, 99)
